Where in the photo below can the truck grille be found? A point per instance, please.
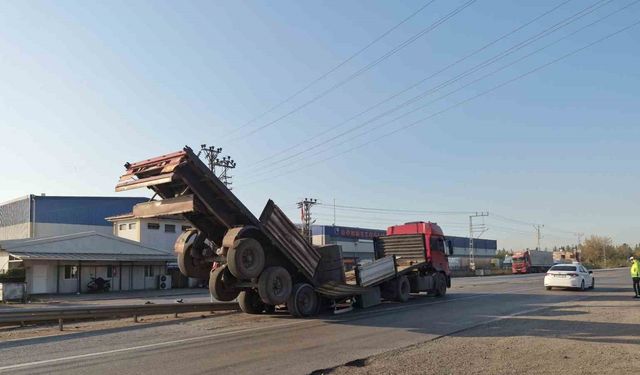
(407, 247)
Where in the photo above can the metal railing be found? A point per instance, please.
(22, 316)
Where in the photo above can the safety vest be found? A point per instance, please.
(635, 269)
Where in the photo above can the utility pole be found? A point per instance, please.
(537, 227)
(604, 253)
(334, 212)
(225, 164)
(305, 215)
(578, 250)
(472, 229)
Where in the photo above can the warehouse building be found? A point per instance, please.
(38, 216)
(61, 242)
(66, 263)
(357, 245)
(159, 232)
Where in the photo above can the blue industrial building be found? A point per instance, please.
(357, 245)
(38, 216)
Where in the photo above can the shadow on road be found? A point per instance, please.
(511, 315)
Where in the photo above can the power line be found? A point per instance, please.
(341, 83)
(414, 85)
(458, 104)
(485, 63)
(333, 69)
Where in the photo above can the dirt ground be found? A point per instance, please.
(586, 337)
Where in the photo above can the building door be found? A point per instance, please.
(39, 278)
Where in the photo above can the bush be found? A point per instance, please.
(16, 275)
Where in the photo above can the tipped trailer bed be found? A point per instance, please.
(260, 262)
(267, 262)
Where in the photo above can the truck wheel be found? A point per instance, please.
(303, 301)
(441, 284)
(250, 302)
(269, 309)
(403, 288)
(192, 267)
(274, 285)
(221, 285)
(246, 258)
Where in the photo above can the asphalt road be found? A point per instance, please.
(245, 344)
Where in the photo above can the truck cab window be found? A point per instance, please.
(437, 244)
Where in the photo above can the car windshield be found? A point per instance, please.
(563, 268)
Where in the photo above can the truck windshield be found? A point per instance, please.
(519, 259)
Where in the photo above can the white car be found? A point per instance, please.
(571, 275)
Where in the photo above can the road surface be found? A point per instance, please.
(243, 344)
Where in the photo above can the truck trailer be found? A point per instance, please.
(266, 262)
(531, 261)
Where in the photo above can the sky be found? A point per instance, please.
(538, 126)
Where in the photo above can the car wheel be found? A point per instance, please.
(547, 287)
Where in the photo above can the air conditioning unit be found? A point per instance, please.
(164, 282)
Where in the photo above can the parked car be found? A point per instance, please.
(572, 275)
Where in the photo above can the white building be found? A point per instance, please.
(66, 264)
(158, 232)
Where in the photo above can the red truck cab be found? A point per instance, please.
(436, 247)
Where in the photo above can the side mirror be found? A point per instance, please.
(590, 271)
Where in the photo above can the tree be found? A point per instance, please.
(500, 254)
(595, 248)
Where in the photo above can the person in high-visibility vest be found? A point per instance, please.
(635, 275)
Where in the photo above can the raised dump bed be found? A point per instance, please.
(260, 262)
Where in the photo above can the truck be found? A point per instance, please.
(266, 262)
(531, 261)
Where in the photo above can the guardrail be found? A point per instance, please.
(60, 314)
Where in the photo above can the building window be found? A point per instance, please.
(109, 271)
(185, 228)
(70, 272)
(148, 271)
(122, 226)
(132, 225)
(170, 228)
(153, 226)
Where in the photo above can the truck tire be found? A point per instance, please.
(303, 301)
(246, 258)
(250, 302)
(192, 267)
(403, 288)
(441, 285)
(274, 285)
(221, 285)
